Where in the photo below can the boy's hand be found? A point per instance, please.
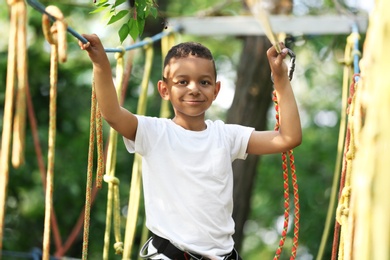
(94, 48)
(278, 66)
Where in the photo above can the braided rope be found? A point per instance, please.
(88, 193)
(296, 204)
(53, 34)
(100, 152)
(288, 156)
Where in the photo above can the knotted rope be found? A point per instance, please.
(342, 212)
(56, 36)
(113, 200)
(135, 185)
(343, 143)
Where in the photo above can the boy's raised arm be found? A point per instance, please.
(290, 132)
(117, 117)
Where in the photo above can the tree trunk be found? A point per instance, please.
(250, 107)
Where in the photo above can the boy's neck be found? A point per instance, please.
(192, 125)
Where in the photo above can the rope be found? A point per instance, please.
(135, 187)
(370, 209)
(343, 141)
(262, 17)
(352, 42)
(41, 164)
(113, 204)
(88, 193)
(288, 156)
(19, 127)
(342, 211)
(166, 43)
(56, 36)
(16, 59)
(41, 8)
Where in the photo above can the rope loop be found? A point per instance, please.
(12, 2)
(149, 43)
(56, 34)
(120, 54)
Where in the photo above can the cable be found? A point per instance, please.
(41, 8)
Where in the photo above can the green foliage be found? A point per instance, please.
(136, 16)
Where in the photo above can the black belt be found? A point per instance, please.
(166, 248)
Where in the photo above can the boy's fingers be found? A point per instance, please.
(86, 45)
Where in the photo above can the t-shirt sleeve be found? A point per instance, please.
(147, 130)
(239, 139)
(132, 146)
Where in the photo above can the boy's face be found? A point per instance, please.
(190, 84)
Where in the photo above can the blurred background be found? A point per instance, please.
(258, 195)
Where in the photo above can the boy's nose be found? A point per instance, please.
(194, 88)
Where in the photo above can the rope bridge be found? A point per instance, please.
(55, 29)
(56, 35)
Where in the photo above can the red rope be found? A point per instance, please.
(337, 226)
(285, 157)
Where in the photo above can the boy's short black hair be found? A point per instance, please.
(185, 49)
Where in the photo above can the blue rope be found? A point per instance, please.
(356, 56)
(42, 9)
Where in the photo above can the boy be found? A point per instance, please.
(187, 172)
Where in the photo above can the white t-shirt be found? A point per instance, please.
(188, 181)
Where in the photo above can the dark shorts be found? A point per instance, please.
(167, 249)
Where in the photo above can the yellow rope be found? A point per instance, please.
(342, 211)
(347, 75)
(7, 118)
(370, 207)
(113, 204)
(166, 43)
(257, 9)
(53, 37)
(20, 109)
(135, 186)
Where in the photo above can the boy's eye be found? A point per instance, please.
(204, 82)
(182, 82)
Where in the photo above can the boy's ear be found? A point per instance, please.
(163, 89)
(217, 89)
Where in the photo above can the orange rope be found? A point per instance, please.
(95, 128)
(53, 34)
(87, 212)
(288, 156)
(17, 27)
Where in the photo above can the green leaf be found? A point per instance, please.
(101, 3)
(118, 16)
(118, 2)
(123, 32)
(153, 11)
(99, 9)
(133, 26)
(141, 9)
(141, 26)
